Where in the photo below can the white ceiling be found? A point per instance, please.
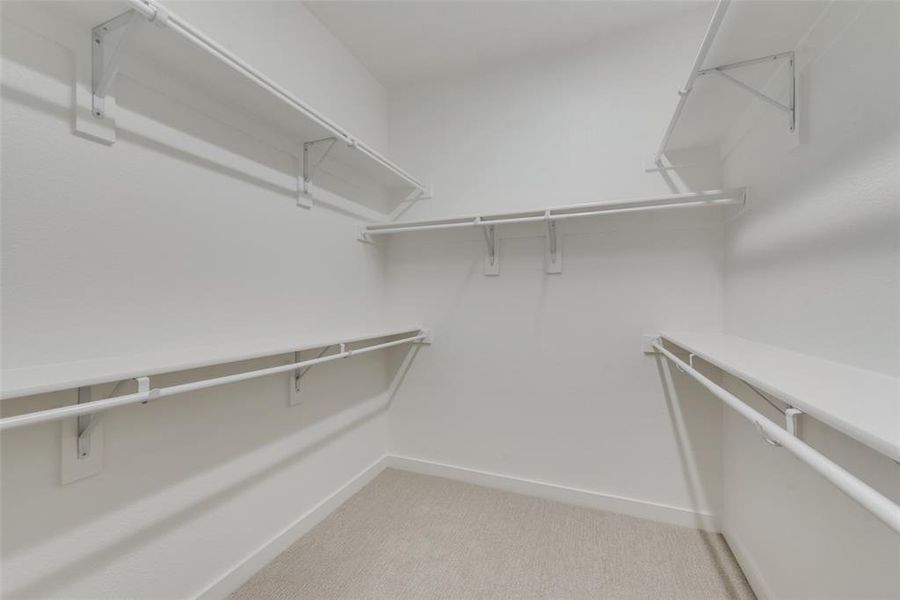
(404, 41)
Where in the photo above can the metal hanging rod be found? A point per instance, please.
(689, 200)
(148, 394)
(158, 14)
(866, 496)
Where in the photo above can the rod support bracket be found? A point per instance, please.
(648, 340)
(762, 433)
(160, 16)
(552, 252)
(790, 420)
(492, 257)
(143, 385)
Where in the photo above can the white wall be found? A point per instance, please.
(183, 233)
(813, 265)
(540, 376)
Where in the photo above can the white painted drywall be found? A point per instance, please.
(814, 265)
(541, 376)
(180, 234)
(183, 233)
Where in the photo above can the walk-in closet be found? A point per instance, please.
(446, 299)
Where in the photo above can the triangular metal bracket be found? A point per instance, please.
(304, 181)
(295, 397)
(106, 59)
(789, 108)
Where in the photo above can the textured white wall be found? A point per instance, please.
(814, 265)
(183, 233)
(541, 376)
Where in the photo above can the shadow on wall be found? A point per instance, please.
(690, 169)
(209, 446)
(685, 399)
(776, 232)
(54, 583)
(171, 116)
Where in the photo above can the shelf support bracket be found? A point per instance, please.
(298, 374)
(304, 185)
(492, 258)
(789, 108)
(87, 423)
(552, 252)
(106, 59)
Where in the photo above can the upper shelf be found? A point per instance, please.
(592, 209)
(710, 105)
(186, 53)
(550, 216)
(864, 405)
(41, 379)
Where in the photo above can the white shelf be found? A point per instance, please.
(748, 30)
(40, 379)
(185, 53)
(594, 209)
(862, 404)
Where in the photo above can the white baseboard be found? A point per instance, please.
(662, 513)
(240, 573)
(748, 565)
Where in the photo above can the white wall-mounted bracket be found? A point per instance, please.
(790, 420)
(552, 251)
(789, 108)
(429, 337)
(298, 374)
(492, 256)
(81, 443)
(308, 168)
(790, 424)
(106, 57)
(762, 434)
(647, 341)
(85, 424)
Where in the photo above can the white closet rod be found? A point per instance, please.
(157, 13)
(866, 496)
(75, 410)
(709, 198)
(711, 31)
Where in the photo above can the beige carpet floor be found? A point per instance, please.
(414, 536)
